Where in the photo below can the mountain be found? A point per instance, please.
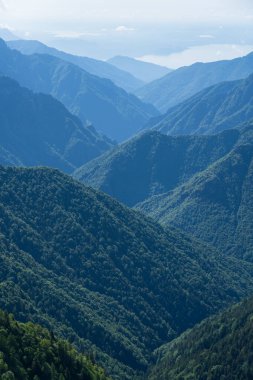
(99, 68)
(218, 348)
(113, 282)
(216, 205)
(6, 34)
(153, 163)
(110, 109)
(187, 81)
(145, 71)
(28, 351)
(215, 109)
(37, 130)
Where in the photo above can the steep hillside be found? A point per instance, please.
(110, 109)
(93, 66)
(218, 348)
(153, 163)
(29, 352)
(215, 109)
(187, 81)
(145, 71)
(216, 205)
(37, 130)
(113, 282)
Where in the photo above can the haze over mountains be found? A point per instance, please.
(37, 130)
(102, 69)
(185, 82)
(110, 109)
(145, 71)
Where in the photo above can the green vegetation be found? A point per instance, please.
(30, 352)
(216, 205)
(213, 110)
(219, 348)
(153, 163)
(187, 81)
(109, 108)
(37, 130)
(114, 283)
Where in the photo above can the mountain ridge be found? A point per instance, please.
(111, 110)
(37, 130)
(220, 107)
(215, 205)
(185, 82)
(99, 68)
(153, 163)
(145, 71)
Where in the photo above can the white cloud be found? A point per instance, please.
(74, 34)
(208, 36)
(131, 10)
(123, 28)
(206, 53)
(2, 5)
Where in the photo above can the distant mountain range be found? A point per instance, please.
(187, 81)
(99, 68)
(112, 281)
(220, 347)
(37, 130)
(216, 205)
(110, 109)
(144, 71)
(223, 106)
(153, 163)
(7, 35)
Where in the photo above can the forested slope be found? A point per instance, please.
(30, 352)
(113, 282)
(219, 348)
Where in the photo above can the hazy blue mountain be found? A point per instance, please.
(102, 69)
(212, 110)
(218, 348)
(216, 205)
(145, 71)
(115, 283)
(187, 81)
(153, 163)
(37, 130)
(109, 108)
(7, 34)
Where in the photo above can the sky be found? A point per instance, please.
(169, 32)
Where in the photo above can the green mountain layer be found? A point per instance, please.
(153, 163)
(216, 205)
(113, 282)
(219, 348)
(29, 352)
(212, 110)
